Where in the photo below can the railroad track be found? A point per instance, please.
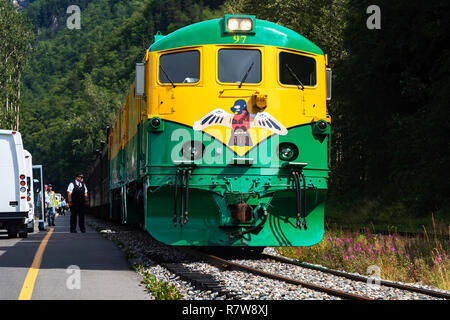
(229, 265)
(428, 292)
(225, 264)
(199, 280)
(208, 282)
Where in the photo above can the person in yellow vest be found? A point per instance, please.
(56, 205)
(50, 200)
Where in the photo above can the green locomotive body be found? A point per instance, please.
(223, 139)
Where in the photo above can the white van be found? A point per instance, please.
(14, 209)
(30, 192)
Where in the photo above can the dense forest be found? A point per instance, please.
(77, 79)
(16, 38)
(390, 136)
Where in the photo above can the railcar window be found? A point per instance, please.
(303, 67)
(180, 67)
(235, 63)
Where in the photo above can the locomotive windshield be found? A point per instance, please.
(235, 63)
(180, 67)
(295, 65)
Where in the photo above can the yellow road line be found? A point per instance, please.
(28, 285)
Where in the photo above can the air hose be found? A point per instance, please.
(186, 198)
(297, 194)
(181, 222)
(184, 203)
(304, 201)
(175, 200)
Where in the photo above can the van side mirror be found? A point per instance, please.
(140, 79)
(329, 76)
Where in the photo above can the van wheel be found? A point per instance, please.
(23, 234)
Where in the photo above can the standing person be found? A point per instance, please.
(56, 206)
(62, 207)
(42, 223)
(77, 194)
(51, 205)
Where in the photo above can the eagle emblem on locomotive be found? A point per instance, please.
(240, 121)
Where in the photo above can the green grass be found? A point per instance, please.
(161, 290)
(422, 259)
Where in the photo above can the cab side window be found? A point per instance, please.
(303, 67)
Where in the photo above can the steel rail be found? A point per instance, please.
(228, 265)
(385, 283)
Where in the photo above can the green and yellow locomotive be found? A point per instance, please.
(223, 139)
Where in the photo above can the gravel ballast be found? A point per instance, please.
(142, 249)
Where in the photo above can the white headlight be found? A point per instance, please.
(246, 25)
(233, 24)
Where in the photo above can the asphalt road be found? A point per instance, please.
(74, 266)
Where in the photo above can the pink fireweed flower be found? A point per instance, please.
(393, 249)
(438, 259)
(346, 257)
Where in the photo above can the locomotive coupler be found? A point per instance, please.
(254, 228)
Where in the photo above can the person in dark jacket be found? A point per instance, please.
(77, 194)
